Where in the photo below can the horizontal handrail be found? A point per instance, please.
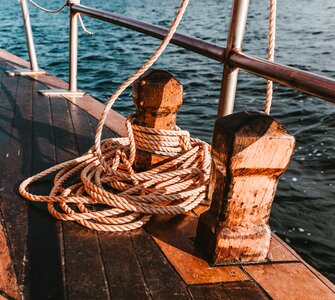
(196, 45)
(294, 78)
(303, 81)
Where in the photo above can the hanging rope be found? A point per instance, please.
(59, 10)
(83, 25)
(110, 195)
(271, 52)
(50, 11)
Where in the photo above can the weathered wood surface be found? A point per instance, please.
(42, 257)
(232, 291)
(289, 281)
(45, 259)
(174, 235)
(157, 97)
(8, 281)
(250, 150)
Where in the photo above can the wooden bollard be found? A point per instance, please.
(157, 96)
(250, 150)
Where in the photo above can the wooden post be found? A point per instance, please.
(157, 96)
(250, 150)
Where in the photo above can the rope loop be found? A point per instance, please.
(50, 11)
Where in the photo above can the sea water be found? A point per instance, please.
(304, 208)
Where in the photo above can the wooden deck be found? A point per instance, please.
(41, 258)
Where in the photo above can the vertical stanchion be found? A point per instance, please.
(73, 58)
(73, 48)
(29, 36)
(30, 45)
(235, 40)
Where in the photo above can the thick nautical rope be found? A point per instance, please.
(271, 51)
(121, 199)
(110, 195)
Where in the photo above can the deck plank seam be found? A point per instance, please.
(2, 220)
(11, 246)
(26, 254)
(145, 283)
(316, 273)
(255, 282)
(59, 225)
(15, 130)
(104, 271)
(21, 278)
(163, 253)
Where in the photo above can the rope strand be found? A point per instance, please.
(271, 51)
(50, 11)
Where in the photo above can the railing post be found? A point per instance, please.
(157, 97)
(235, 39)
(30, 45)
(73, 58)
(29, 36)
(73, 48)
(249, 150)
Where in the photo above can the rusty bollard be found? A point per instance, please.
(157, 97)
(250, 151)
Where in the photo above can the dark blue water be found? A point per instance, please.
(304, 208)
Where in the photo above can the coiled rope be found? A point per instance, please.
(110, 195)
(271, 52)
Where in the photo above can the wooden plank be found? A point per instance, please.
(322, 278)
(106, 133)
(44, 261)
(115, 121)
(124, 274)
(232, 290)
(12, 151)
(162, 280)
(278, 252)
(289, 281)
(173, 235)
(82, 127)
(85, 276)
(8, 281)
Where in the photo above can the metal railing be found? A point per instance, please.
(232, 56)
(34, 69)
